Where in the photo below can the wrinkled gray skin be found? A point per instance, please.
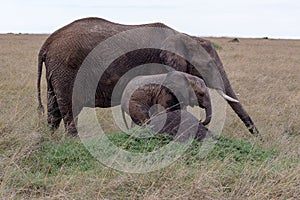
(65, 50)
(166, 90)
(180, 124)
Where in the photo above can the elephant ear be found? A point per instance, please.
(180, 50)
(175, 53)
(179, 86)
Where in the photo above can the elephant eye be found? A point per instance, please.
(201, 94)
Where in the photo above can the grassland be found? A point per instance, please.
(35, 164)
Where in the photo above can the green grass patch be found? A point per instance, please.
(139, 145)
(237, 150)
(70, 155)
(61, 157)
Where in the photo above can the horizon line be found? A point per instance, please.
(204, 36)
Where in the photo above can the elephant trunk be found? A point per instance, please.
(241, 112)
(208, 113)
(237, 106)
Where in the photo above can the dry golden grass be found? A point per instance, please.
(265, 74)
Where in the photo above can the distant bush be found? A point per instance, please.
(217, 46)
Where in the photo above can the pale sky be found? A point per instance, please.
(233, 18)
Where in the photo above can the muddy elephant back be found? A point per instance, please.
(180, 124)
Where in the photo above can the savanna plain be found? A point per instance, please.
(38, 164)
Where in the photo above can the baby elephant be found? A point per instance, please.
(172, 91)
(180, 124)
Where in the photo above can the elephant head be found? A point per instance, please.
(190, 90)
(197, 56)
(186, 54)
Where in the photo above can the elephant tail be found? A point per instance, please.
(41, 59)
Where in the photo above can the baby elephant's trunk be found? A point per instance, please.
(208, 112)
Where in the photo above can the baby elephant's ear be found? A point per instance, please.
(179, 85)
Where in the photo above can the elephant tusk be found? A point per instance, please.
(228, 98)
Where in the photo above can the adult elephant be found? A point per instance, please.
(66, 50)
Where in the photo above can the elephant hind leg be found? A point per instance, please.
(70, 121)
(54, 115)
